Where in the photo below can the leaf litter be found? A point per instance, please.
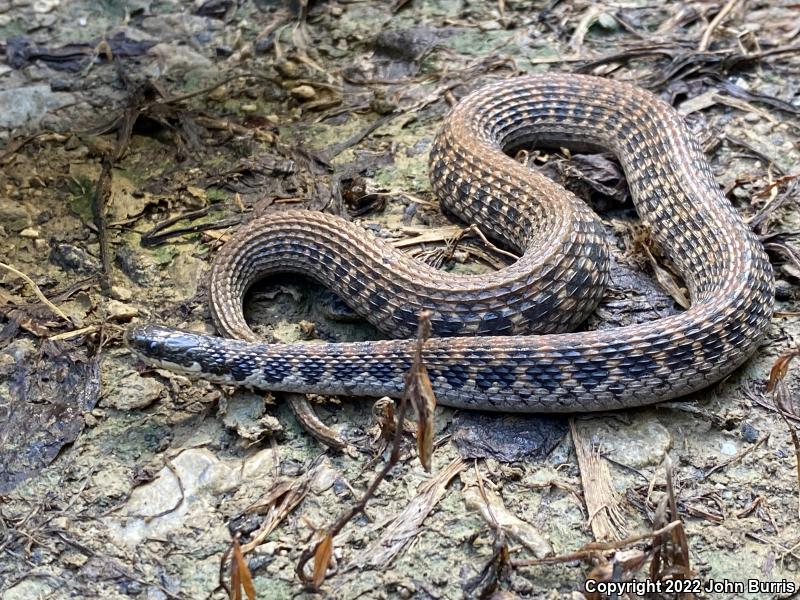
(269, 107)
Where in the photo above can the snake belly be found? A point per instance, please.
(497, 344)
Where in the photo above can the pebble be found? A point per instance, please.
(28, 104)
(30, 233)
(164, 505)
(303, 92)
(640, 443)
(132, 391)
(14, 217)
(752, 117)
(120, 311)
(121, 293)
(45, 6)
(288, 69)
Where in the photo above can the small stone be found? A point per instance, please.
(132, 391)
(89, 420)
(640, 443)
(740, 193)
(178, 497)
(30, 233)
(71, 257)
(45, 6)
(752, 117)
(728, 448)
(28, 588)
(763, 128)
(749, 433)
(303, 92)
(120, 311)
(121, 293)
(607, 21)
(492, 25)
(174, 58)
(72, 143)
(246, 413)
(73, 558)
(153, 593)
(248, 108)
(27, 105)
(14, 217)
(288, 69)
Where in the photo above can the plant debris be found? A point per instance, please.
(136, 138)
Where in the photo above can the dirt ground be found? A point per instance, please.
(135, 135)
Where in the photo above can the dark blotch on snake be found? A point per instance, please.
(382, 371)
(405, 314)
(442, 326)
(456, 375)
(494, 323)
(276, 370)
(377, 300)
(312, 369)
(547, 376)
(497, 376)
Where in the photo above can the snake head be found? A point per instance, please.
(163, 346)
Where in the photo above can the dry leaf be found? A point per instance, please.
(780, 368)
(240, 575)
(322, 558)
(425, 403)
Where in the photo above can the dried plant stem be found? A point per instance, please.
(321, 548)
(593, 548)
(36, 290)
(715, 22)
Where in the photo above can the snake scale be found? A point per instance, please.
(499, 341)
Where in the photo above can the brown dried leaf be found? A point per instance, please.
(424, 401)
(780, 368)
(419, 392)
(236, 583)
(322, 558)
(666, 280)
(240, 574)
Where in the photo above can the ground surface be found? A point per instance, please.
(123, 482)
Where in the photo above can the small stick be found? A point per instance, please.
(595, 547)
(721, 15)
(394, 457)
(36, 291)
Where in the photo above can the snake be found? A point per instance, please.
(506, 340)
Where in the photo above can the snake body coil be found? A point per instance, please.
(493, 363)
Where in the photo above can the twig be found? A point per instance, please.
(739, 456)
(721, 16)
(99, 211)
(593, 548)
(359, 507)
(36, 291)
